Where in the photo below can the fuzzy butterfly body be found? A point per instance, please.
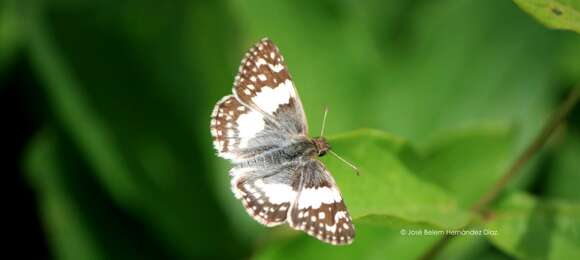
(262, 130)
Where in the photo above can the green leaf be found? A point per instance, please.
(530, 228)
(384, 199)
(387, 187)
(392, 194)
(557, 14)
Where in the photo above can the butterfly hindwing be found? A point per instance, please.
(266, 193)
(233, 125)
(319, 209)
(240, 132)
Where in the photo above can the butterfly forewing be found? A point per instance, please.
(263, 83)
(262, 129)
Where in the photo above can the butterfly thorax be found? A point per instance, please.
(321, 145)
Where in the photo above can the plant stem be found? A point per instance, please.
(529, 152)
(555, 121)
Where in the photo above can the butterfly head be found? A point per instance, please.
(322, 146)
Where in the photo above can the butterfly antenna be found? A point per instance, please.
(324, 120)
(346, 162)
(331, 151)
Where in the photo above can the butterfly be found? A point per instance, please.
(276, 173)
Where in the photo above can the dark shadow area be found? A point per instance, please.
(19, 124)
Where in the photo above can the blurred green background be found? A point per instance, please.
(107, 104)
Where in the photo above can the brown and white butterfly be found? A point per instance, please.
(262, 130)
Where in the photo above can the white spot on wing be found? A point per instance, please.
(269, 99)
(276, 193)
(276, 68)
(314, 197)
(339, 215)
(260, 62)
(249, 124)
(331, 229)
